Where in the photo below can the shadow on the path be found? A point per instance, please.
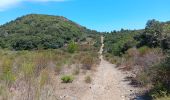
(135, 84)
(142, 97)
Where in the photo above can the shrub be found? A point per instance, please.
(88, 79)
(143, 50)
(143, 78)
(72, 47)
(67, 79)
(128, 65)
(160, 78)
(159, 91)
(87, 62)
(133, 52)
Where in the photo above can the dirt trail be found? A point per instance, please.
(108, 83)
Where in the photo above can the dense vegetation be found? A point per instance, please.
(117, 42)
(145, 53)
(41, 32)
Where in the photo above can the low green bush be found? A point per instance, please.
(72, 47)
(67, 79)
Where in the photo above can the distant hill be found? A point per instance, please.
(35, 31)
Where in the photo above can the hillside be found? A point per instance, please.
(40, 54)
(37, 31)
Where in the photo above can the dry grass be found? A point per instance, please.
(76, 70)
(163, 98)
(27, 73)
(139, 62)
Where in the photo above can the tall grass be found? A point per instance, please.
(7, 72)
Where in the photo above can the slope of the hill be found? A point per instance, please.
(37, 31)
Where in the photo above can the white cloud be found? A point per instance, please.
(5, 4)
(47, 0)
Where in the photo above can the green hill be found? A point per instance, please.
(37, 31)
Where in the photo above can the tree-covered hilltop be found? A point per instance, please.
(37, 31)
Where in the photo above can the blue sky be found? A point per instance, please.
(101, 15)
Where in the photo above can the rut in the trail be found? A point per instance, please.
(108, 83)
